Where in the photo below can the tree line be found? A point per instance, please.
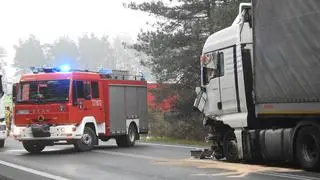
(88, 52)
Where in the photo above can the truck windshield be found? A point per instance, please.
(44, 91)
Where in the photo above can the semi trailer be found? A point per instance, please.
(260, 84)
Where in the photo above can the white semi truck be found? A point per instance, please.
(260, 84)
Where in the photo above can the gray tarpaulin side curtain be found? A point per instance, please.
(286, 50)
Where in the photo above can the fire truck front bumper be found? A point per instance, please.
(63, 132)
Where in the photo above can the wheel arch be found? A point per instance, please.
(90, 122)
(135, 122)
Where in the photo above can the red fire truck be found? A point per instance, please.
(79, 107)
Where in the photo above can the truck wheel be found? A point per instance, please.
(218, 156)
(33, 147)
(2, 143)
(87, 140)
(308, 148)
(129, 139)
(218, 153)
(231, 149)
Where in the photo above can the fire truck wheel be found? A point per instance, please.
(129, 139)
(2, 143)
(87, 140)
(308, 148)
(33, 146)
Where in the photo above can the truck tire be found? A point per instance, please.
(128, 139)
(218, 153)
(230, 149)
(87, 140)
(2, 143)
(218, 156)
(33, 147)
(308, 148)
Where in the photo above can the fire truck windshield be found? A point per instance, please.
(44, 91)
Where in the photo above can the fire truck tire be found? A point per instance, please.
(33, 147)
(128, 139)
(87, 140)
(2, 143)
(307, 148)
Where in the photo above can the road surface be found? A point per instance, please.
(144, 161)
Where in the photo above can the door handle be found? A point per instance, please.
(219, 105)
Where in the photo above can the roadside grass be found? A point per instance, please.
(171, 140)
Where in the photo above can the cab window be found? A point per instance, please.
(87, 90)
(95, 89)
(79, 89)
(212, 66)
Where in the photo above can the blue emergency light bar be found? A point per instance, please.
(44, 69)
(63, 68)
(105, 71)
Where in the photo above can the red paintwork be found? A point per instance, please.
(72, 114)
(165, 105)
(51, 111)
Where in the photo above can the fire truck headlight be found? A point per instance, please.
(16, 131)
(70, 129)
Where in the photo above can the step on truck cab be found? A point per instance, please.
(260, 85)
(79, 107)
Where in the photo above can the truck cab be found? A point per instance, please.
(224, 54)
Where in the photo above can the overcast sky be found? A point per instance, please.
(49, 19)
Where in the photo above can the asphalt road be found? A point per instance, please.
(144, 161)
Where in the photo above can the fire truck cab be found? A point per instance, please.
(79, 107)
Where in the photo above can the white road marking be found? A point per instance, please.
(217, 174)
(169, 145)
(130, 155)
(32, 171)
(238, 175)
